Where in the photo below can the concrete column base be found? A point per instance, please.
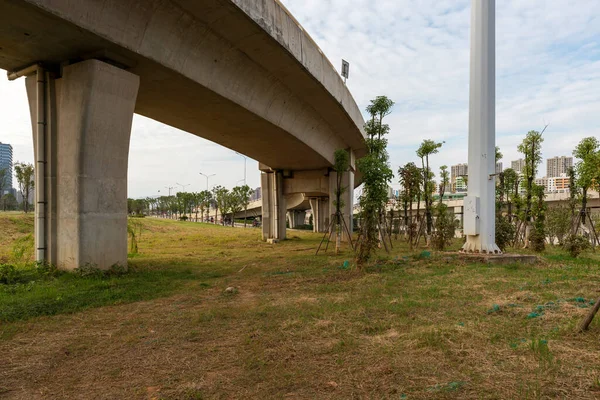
(320, 212)
(296, 218)
(273, 206)
(88, 155)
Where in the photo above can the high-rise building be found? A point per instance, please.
(6, 162)
(556, 166)
(457, 171)
(460, 186)
(518, 165)
(498, 167)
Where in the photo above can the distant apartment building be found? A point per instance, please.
(556, 166)
(542, 182)
(498, 167)
(460, 185)
(256, 194)
(457, 171)
(555, 184)
(518, 165)
(6, 162)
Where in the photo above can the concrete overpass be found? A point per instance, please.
(243, 74)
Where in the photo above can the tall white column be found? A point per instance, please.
(479, 217)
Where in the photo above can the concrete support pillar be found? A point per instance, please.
(88, 147)
(296, 218)
(347, 199)
(273, 206)
(320, 212)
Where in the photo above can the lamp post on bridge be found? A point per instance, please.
(245, 159)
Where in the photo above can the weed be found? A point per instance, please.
(9, 275)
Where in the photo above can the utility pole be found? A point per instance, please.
(206, 176)
(480, 204)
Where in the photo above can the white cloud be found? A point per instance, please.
(417, 53)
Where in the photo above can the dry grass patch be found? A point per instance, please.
(302, 326)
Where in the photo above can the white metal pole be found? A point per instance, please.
(480, 223)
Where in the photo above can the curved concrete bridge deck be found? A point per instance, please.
(241, 73)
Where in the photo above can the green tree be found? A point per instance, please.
(238, 200)
(538, 236)
(9, 202)
(243, 194)
(204, 202)
(221, 196)
(445, 226)
(531, 148)
(376, 177)
(340, 166)
(587, 169)
(410, 179)
(558, 223)
(3, 184)
(499, 154)
(25, 175)
(572, 191)
(427, 148)
(444, 181)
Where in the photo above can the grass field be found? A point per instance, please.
(412, 326)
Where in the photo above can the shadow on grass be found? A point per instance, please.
(36, 294)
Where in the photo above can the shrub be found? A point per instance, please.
(575, 244)
(537, 239)
(46, 270)
(505, 232)
(183, 218)
(444, 228)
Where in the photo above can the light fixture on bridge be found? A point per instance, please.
(345, 69)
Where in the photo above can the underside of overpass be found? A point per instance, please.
(243, 74)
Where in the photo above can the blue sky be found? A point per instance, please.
(417, 53)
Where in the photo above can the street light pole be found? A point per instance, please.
(182, 186)
(206, 176)
(245, 159)
(169, 213)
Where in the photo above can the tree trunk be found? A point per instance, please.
(588, 319)
(584, 206)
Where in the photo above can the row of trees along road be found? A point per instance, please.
(25, 179)
(196, 206)
(523, 218)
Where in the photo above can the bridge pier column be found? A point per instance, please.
(347, 199)
(320, 212)
(273, 206)
(296, 218)
(89, 116)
